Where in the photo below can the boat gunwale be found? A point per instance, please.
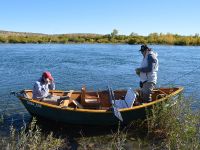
(179, 89)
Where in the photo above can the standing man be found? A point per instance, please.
(147, 73)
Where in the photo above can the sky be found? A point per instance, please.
(101, 16)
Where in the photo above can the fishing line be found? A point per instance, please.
(181, 76)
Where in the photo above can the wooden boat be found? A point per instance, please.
(92, 108)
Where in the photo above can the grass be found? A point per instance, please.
(175, 126)
(30, 138)
(116, 141)
(167, 126)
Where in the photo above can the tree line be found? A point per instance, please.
(113, 37)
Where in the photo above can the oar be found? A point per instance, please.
(114, 108)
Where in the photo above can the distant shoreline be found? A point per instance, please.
(133, 38)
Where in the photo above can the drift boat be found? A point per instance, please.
(95, 107)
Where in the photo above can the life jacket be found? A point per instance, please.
(149, 76)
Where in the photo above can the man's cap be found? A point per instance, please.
(143, 48)
(48, 75)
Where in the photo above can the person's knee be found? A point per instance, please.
(146, 96)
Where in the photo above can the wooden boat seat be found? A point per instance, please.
(69, 101)
(90, 99)
(159, 90)
(26, 95)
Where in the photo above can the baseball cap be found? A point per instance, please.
(143, 48)
(48, 75)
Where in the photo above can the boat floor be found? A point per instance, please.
(98, 100)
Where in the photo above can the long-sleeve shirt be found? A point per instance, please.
(151, 59)
(149, 67)
(41, 90)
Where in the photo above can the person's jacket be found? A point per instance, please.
(41, 90)
(149, 68)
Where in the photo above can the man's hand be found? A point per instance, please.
(137, 71)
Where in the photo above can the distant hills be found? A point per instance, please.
(8, 33)
(113, 37)
(12, 33)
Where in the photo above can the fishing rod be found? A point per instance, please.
(181, 76)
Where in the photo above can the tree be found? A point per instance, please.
(196, 35)
(114, 33)
(133, 34)
(2, 40)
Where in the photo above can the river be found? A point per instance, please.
(93, 65)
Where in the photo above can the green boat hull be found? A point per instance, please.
(74, 116)
(81, 116)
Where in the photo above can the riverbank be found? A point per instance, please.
(95, 65)
(133, 38)
(167, 126)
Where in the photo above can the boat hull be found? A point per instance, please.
(73, 116)
(90, 116)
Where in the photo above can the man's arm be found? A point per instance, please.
(39, 91)
(150, 60)
(52, 86)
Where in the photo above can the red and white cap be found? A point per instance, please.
(48, 75)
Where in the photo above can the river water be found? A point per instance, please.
(93, 65)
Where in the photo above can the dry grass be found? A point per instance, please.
(175, 126)
(167, 126)
(31, 138)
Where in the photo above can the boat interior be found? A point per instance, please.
(100, 99)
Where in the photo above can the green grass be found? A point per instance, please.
(167, 126)
(30, 138)
(175, 126)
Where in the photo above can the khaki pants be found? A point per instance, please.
(146, 91)
(51, 98)
(54, 99)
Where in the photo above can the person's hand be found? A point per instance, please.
(47, 81)
(137, 71)
(51, 82)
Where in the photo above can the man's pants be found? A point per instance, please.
(146, 91)
(54, 98)
(51, 98)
